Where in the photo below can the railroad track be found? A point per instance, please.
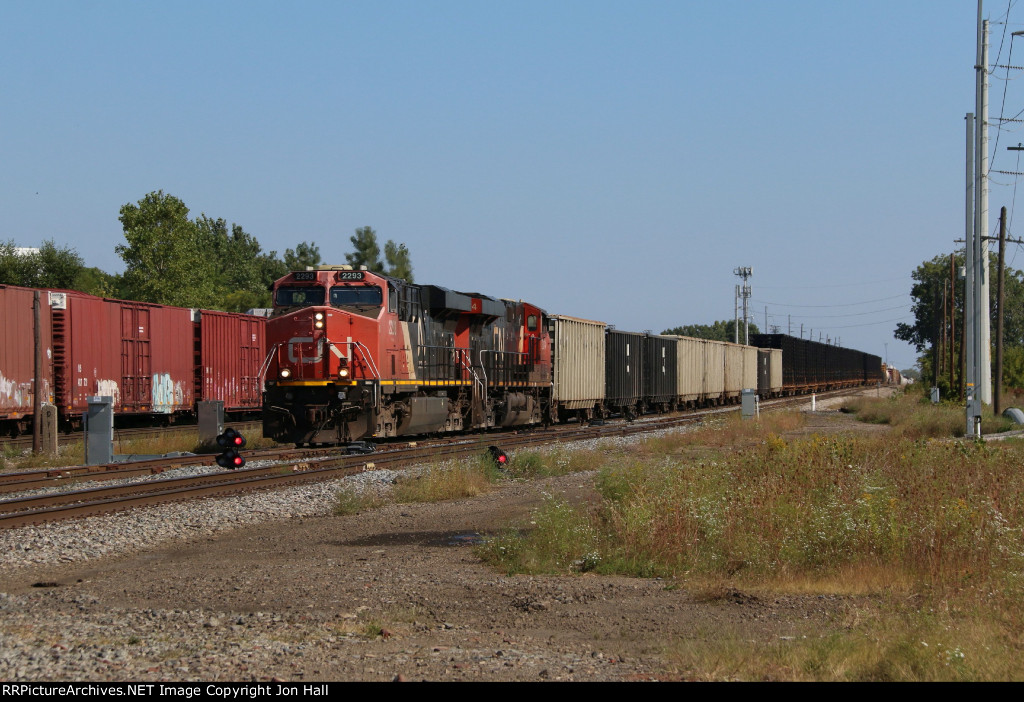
(122, 434)
(289, 467)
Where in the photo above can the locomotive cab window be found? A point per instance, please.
(356, 296)
(531, 323)
(299, 297)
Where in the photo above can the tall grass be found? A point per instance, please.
(449, 481)
(446, 481)
(890, 642)
(557, 461)
(948, 515)
(933, 531)
(914, 416)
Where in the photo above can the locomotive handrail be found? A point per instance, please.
(266, 364)
(469, 367)
(459, 357)
(483, 366)
(367, 356)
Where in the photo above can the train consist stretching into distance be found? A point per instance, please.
(349, 354)
(354, 354)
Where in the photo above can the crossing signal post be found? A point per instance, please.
(231, 441)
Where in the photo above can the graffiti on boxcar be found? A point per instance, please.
(167, 394)
(17, 397)
(14, 393)
(109, 388)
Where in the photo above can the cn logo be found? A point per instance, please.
(296, 342)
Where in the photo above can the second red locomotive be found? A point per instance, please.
(353, 353)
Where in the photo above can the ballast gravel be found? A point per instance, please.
(139, 529)
(53, 630)
(272, 586)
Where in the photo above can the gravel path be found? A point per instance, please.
(273, 586)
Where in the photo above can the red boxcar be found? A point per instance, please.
(17, 354)
(141, 355)
(232, 348)
(151, 359)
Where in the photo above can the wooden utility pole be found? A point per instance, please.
(963, 355)
(37, 380)
(952, 320)
(937, 345)
(944, 348)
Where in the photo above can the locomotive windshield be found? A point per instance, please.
(356, 295)
(299, 297)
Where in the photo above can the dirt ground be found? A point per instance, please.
(397, 593)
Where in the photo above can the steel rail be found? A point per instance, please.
(53, 507)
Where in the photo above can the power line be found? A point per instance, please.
(868, 324)
(837, 285)
(852, 304)
(851, 314)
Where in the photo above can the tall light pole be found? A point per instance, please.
(982, 325)
(745, 273)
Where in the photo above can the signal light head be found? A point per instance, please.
(230, 459)
(230, 440)
(499, 457)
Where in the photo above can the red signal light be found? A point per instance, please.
(499, 457)
(231, 437)
(230, 458)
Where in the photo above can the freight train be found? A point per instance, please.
(354, 354)
(156, 362)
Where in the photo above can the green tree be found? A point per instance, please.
(16, 268)
(930, 279)
(168, 258)
(912, 373)
(305, 254)
(244, 271)
(366, 250)
(235, 254)
(722, 330)
(49, 267)
(172, 260)
(367, 253)
(399, 264)
(97, 282)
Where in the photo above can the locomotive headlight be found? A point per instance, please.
(343, 373)
(286, 373)
(319, 323)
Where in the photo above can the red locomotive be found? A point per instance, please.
(354, 354)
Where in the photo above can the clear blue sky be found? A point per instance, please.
(608, 160)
